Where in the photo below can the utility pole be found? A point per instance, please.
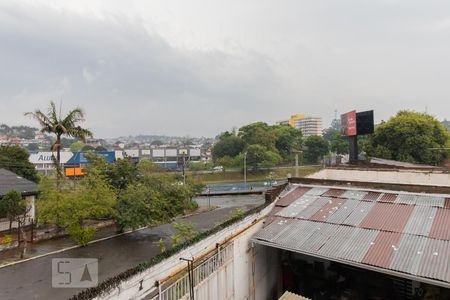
(184, 173)
(296, 164)
(245, 169)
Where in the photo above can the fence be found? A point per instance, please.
(181, 288)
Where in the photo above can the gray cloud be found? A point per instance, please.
(277, 60)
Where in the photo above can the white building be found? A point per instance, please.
(309, 126)
(43, 161)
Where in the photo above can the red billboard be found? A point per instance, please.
(348, 123)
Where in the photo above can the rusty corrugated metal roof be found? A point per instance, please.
(388, 197)
(403, 232)
(333, 193)
(381, 249)
(441, 224)
(386, 216)
(292, 196)
(372, 196)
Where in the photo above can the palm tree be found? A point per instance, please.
(54, 123)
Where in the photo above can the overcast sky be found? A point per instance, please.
(201, 67)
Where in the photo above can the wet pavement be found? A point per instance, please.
(32, 279)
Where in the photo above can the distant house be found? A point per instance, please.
(29, 190)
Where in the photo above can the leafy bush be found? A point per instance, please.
(82, 236)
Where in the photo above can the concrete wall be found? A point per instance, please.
(254, 276)
(383, 176)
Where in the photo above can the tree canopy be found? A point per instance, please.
(15, 159)
(316, 148)
(266, 145)
(411, 137)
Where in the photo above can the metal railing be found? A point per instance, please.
(180, 288)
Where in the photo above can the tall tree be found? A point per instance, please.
(410, 136)
(258, 133)
(316, 148)
(227, 146)
(287, 139)
(15, 159)
(54, 123)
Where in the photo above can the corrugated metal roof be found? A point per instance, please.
(386, 216)
(334, 193)
(409, 254)
(317, 191)
(355, 247)
(328, 209)
(435, 260)
(420, 200)
(342, 213)
(297, 206)
(292, 196)
(381, 250)
(388, 197)
(421, 220)
(447, 203)
(372, 196)
(403, 232)
(358, 213)
(441, 224)
(352, 194)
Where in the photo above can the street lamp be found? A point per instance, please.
(245, 169)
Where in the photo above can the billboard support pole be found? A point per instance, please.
(353, 144)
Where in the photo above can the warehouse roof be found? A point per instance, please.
(404, 233)
(80, 158)
(11, 181)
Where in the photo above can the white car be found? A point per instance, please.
(217, 169)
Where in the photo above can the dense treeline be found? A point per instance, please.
(411, 137)
(134, 195)
(263, 145)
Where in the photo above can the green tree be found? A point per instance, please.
(87, 148)
(316, 148)
(258, 156)
(330, 133)
(123, 172)
(69, 208)
(76, 146)
(15, 159)
(258, 133)
(183, 233)
(54, 123)
(227, 146)
(153, 199)
(100, 149)
(11, 205)
(287, 139)
(410, 136)
(33, 147)
(16, 208)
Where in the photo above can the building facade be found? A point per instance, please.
(307, 124)
(310, 126)
(43, 161)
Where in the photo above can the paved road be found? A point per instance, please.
(32, 279)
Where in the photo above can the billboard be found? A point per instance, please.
(353, 123)
(348, 123)
(364, 122)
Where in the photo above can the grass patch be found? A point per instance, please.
(278, 174)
